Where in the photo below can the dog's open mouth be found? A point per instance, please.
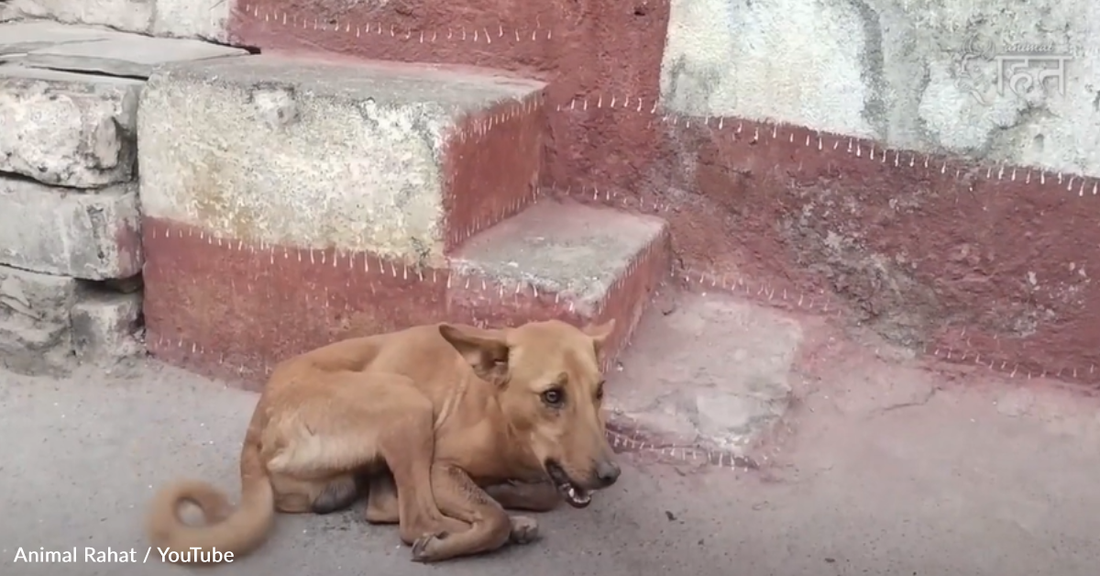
(576, 496)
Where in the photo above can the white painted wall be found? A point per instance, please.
(894, 70)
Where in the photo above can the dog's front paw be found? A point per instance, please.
(426, 548)
(525, 530)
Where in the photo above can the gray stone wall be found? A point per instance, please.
(70, 243)
(70, 213)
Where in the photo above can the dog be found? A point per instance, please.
(426, 420)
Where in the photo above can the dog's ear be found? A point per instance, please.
(599, 333)
(485, 350)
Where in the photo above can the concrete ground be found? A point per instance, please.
(883, 468)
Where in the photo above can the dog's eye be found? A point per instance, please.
(553, 397)
(599, 391)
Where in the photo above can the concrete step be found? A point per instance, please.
(283, 194)
(404, 161)
(171, 18)
(708, 380)
(56, 46)
(561, 259)
(232, 310)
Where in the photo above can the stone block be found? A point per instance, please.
(400, 160)
(20, 37)
(93, 234)
(35, 335)
(205, 19)
(106, 326)
(67, 129)
(235, 309)
(562, 260)
(127, 55)
(128, 15)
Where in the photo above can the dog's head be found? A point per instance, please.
(550, 388)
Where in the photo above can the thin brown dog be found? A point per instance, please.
(430, 417)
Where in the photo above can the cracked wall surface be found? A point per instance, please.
(900, 176)
(911, 74)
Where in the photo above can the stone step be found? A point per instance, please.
(230, 309)
(564, 260)
(55, 46)
(404, 161)
(281, 191)
(733, 365)
(205, 19)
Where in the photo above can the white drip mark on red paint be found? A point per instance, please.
(277, 18)
(961, 168)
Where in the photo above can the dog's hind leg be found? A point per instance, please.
(323, 496)
(382, 505)
(490, 526)
(361, 420)
(337, 494)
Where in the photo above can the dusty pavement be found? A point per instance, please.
(883, 468)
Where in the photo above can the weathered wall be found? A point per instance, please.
(906, 73)
(802, 148)
(951, 214)
(206, 19)
(70, 226)
(71, 250)
(891, 179)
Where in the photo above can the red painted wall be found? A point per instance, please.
(979, 264)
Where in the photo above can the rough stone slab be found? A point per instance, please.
(67, 129)
(128, 55)
(310, 153)
(93, 235)
(128, 15)
(35, 334)
(21, 37)
(711, 372)
(106, 326)
(52, 45)
(574, 251)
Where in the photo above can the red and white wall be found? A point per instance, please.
(855, 156)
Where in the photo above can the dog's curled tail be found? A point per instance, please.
(238, 531)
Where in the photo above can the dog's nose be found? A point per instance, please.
(607, 472)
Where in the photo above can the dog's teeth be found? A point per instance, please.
(572, 493)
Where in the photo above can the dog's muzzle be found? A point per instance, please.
(574, 494)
